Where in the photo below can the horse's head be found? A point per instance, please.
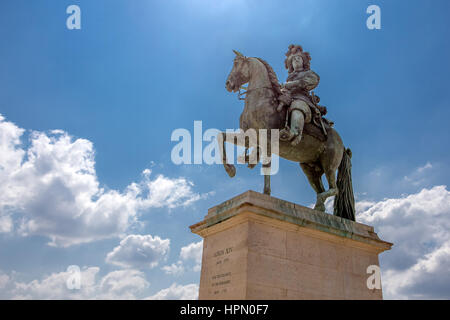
(240, 74)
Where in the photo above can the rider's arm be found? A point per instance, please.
(308, 81)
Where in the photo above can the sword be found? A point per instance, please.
(320, 115)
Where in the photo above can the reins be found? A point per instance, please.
(240, 94)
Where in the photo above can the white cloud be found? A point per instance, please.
(4, 279)
(175, 269)
(10, 151)
(126, 284)
(123, 284)
(428, 278)
(139, 251)
(428, 165)
(188, 254)
(50, 188)
(6, 224)
(418, 266)
(418, 176)
(193, 252)
(54, 286)
(177, 292)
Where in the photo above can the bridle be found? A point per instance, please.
(247, 91)
(240, 94)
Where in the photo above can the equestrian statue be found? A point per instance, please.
(305, 136)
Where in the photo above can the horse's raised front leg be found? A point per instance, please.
(229, 168)
(252, 159)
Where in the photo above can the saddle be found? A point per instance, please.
(317, 128)
(313, 130)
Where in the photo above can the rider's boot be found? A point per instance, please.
(286, 134)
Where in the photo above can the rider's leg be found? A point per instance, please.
(300, 114)
(297, 124)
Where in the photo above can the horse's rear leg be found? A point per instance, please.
(266, 170)
(330, 160)
(332, 190)
(314, 174)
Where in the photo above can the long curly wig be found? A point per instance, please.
(297, 49)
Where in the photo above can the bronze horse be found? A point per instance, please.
(315, 157)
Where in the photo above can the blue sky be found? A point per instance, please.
(137, 70)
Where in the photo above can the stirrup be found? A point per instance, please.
(286, 135)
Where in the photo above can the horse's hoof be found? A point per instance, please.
(251, 165)
(319, 207)
(241, 159)
(230, 169)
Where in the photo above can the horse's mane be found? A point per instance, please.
(272, 77)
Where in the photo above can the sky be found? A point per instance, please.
(86, 118)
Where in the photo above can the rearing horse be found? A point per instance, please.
(315, 157)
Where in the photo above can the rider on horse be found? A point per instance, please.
(320, 153)
(295, 94)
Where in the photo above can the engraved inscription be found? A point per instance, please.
(218, 281)
(222, 252)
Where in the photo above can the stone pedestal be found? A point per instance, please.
(259, 247)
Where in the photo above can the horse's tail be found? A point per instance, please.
(344, 203)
